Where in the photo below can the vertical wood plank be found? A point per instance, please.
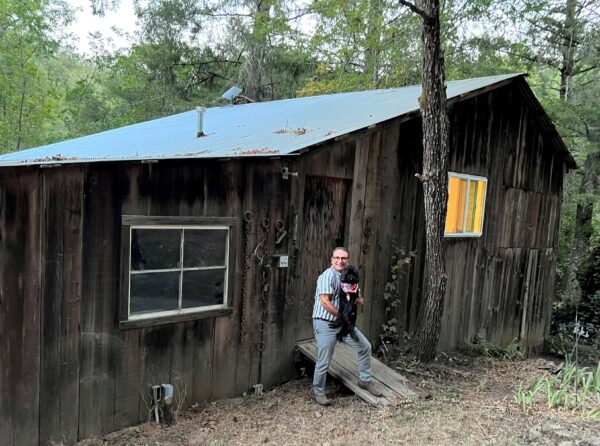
(358, 196)
(293, 325)
(226, 200)
(99, 338)
(274, 306)
(202, 354)
(370, 221)
(61, 301)
(134, 189)
(387, 194)
(20, 284)
(128, 388)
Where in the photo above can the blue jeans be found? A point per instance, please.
(325, 337)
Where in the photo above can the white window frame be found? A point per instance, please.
(463, 234)
(180, 269)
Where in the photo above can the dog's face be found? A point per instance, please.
(350, 275)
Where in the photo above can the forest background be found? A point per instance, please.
(186, 53)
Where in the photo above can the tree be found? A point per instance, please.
(29, 99)
(434, 177)
(262, 35)
(256, 39)
(362, 45)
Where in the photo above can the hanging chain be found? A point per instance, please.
(248, 216)
(266, 284)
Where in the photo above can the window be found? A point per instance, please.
(173, 270)
(466, 204)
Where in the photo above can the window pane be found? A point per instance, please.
(204, 247)
(202, 288)
(462, 198)
(480, 206)
(155, 249)
(471, 205)
(457, 190)
(153, 292)
(452, 215)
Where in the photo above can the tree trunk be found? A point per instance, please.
(434, 178)
(583, 230)
(253, 71)
(567, 49)
(373, 41)
(21, 103)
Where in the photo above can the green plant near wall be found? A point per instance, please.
(401, 262)
(511, 352)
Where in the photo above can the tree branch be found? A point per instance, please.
(206, 62)
(584, 70)
(414, 8)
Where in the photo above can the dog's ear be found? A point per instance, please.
(351, 274)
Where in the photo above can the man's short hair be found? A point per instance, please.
(341, 248)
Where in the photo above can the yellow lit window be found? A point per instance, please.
(466, 202)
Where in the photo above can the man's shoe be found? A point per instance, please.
(369, 387)
(322, 400)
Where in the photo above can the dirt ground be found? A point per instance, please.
(465, 400)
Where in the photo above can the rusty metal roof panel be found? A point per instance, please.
(276, 128)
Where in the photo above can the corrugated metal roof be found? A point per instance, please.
(258, 129)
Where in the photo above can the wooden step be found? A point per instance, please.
(344, 367)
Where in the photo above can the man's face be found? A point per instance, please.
(339, 259)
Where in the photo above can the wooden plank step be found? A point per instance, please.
(344, 367)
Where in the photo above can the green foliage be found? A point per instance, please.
(585, 312)
(511, 352)
(29, 99)
(401, 262)
(525, 397)
(363, 45)
(574, 389)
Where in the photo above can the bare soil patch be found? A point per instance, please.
(466, 401)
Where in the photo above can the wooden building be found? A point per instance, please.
(149, 254)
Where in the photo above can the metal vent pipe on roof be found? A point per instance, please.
(200, 131)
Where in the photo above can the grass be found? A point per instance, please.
(573, 389)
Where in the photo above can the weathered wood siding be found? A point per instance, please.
(20, 309)
(68, 370)
(500, 284)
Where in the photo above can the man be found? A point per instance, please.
(325, 311)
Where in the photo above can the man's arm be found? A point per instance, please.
(326, 303)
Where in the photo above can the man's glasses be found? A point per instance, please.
(340, 258)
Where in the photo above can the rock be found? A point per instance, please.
(563, 433)
(534, 434)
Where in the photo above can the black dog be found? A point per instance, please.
(348, 295)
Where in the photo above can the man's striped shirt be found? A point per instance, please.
(327, 283)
